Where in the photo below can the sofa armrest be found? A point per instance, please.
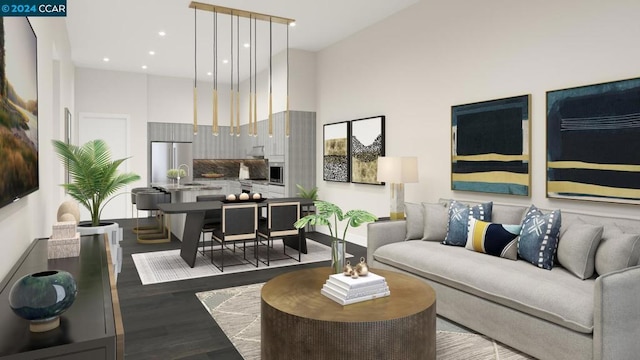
(616, 317)
(384, 232)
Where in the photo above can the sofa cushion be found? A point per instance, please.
(538, 241)
(493, 239)
(415, 220)
(458, 223)
(556, 295)
(577, 248)
(617, 250)
(435, 221)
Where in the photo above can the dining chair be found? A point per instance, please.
(239, 223)
(279, 224)
(212, 219)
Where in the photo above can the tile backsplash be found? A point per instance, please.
(229, 168)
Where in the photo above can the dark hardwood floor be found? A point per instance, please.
(167, 321)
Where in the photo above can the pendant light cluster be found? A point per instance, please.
(234, 88)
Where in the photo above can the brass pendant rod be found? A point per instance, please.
(241, 13)
(195, 72)
(238, 76)
(255, 80)
(287, 125)
(270, 78)
(232, 92)
(250, 77)
(214, 128)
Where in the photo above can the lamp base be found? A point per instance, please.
(397, 201)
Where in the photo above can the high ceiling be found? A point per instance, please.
(126, 30)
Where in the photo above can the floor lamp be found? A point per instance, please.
(397, 171)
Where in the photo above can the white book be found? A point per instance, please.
(354, 293)
(341, 301)
(348, 282)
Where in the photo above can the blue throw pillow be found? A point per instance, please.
(538, 242)
(459, 215)
(493, 239)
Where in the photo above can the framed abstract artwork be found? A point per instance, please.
(336, 164)
(367, 145)
(593, 152)
(491, 146)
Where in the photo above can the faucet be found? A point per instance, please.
(179, 167)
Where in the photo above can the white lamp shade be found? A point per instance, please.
(398, 170)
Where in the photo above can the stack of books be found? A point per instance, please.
(344, 290)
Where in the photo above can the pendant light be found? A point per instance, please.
(214, 128)
(250, 76)
(238, 76)
(232, 93)
(255, 80)
(287, 125)
(195, 72)
(270, 77)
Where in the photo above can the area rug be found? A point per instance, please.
(237, 312)
(165, 266)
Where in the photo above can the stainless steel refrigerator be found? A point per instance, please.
(170, 155)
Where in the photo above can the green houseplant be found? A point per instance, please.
(94, 176)
(325, 214)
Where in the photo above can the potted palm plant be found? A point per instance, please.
(94, 176)
(325, 214)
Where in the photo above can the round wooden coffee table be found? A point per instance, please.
(298, 322)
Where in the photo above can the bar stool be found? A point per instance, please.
(134, 193)
(149, 201)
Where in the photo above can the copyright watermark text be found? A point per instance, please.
(34, 8)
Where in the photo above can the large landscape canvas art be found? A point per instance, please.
(491, 146)
(367, 145)
(18, 109)
(593, 152)
(336, 152)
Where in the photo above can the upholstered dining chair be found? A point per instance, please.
(280, 219)
(212, 219)
(239, 223)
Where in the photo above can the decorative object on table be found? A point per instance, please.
(41, 298)
(325, 213)
(244, 197)
(94, 175)
(336, 160)
(347, 290)
(367, 145)
(69, 211)
(64, 241)
(362, 269)
(491, 146)
(593, 151)
(397, 171)
(176, 174)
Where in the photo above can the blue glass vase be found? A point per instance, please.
(41, 298)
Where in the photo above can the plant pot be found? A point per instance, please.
(41, 298)
(85, 227)
(338, 255)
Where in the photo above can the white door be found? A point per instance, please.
(114, 130)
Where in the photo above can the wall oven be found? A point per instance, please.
(276, 173)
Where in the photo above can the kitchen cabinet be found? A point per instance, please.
(276, 191)
(261, 189)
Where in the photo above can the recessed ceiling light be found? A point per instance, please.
(151, 52)
(209, 73)
(162, 33)
(292, 24)
(225, 61)
(246, 45)
(144, 67)
(106, 59)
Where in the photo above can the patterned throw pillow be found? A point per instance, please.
(493, 239)
(538, 240)
(459, 215)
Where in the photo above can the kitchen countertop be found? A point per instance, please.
(192, 186)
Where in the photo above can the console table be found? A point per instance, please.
(90, 329)
(298, 322)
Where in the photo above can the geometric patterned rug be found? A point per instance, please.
(237, 312)
(164, 266)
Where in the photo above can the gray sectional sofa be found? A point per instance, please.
(548, 314)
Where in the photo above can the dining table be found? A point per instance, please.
(195, 212)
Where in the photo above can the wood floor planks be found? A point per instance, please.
(167, 321)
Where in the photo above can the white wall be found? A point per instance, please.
(413, 66)
(33, 216)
